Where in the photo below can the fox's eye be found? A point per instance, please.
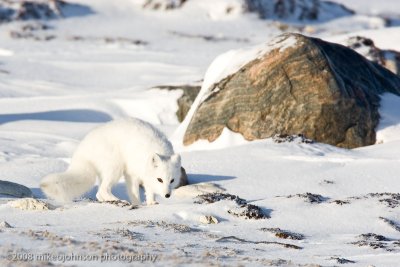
(172, 181)
(160, 180)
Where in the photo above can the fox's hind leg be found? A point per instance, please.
(107, 182)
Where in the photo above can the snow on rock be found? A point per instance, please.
(390, 59)
(30, 204)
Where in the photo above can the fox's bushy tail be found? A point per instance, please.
(64, 187)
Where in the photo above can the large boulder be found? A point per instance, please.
(292, 85)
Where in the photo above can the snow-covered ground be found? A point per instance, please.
(102, 66)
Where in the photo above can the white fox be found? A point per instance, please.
(131, 148)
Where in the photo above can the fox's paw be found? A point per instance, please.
(150, 203)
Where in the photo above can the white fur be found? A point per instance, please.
(128, 148)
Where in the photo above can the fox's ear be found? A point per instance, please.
(176, 158)
(155, 160)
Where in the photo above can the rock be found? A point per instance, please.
(301, 10)
(389, 59)
(11, 10)
(30, 204)
(189, 93)
(208, 219)
(286, 10)
(184, 179)
(5, 224)
(14, 189)
(294, 84)
(248, 211)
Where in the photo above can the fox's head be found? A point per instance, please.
(164, 173)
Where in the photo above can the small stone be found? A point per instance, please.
(208, 219)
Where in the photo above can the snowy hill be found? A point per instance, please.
(60, 78)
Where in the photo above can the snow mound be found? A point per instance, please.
(389, 125)
(195, 190)
(30, 204)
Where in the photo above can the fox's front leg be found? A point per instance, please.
(133, 189)
(150, 197)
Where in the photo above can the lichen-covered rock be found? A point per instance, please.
(296, 85)
(390, 59)
(13, 189)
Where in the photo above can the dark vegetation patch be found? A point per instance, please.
(285, 138)
(342, 260)
(376, 241)
(391, 223)
(235, 239)
(243, 209)
(210, 38)
(284, 234)
(310, 197)
(178, 228)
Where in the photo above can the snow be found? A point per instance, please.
(53, 92)
(389, 124)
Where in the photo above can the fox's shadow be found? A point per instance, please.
(207, 178)
(119, 190)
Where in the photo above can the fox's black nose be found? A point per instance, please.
(167, 195)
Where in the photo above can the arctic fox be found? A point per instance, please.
(130, 148)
